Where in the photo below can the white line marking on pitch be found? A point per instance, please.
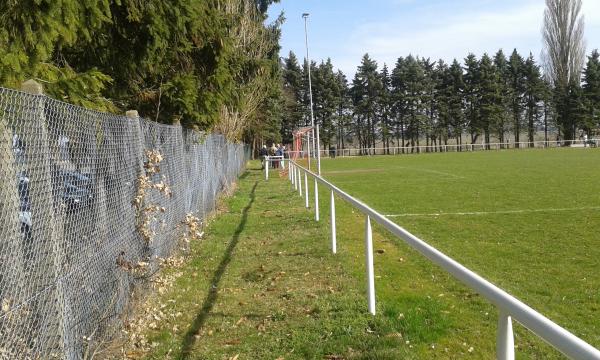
(430, 171)
(358, 171)
(499, 212)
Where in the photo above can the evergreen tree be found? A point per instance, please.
(414, 82)
(344, 111)
(591, 89)
(206, 64)
(501, 64)
(490, 98)
(399, 103)
(472, 89)
(429, 116)
(293, 93)
(533, 93)
(442, 99)
(326, 99)
(366, 89)
(517, 89)
(385, 100)
(456, 101)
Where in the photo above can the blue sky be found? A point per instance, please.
(345, 29)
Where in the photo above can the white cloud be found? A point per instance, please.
(432, 33)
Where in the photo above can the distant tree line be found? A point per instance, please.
(209, 65)
(421, 102)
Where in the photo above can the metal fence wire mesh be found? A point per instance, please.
(83, 195)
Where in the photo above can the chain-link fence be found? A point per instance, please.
(89, 203)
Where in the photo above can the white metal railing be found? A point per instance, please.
(508, 306)
(451, 148)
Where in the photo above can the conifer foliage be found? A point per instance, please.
(203, 63)
(421, 102)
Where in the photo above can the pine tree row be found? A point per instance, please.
(421, 102)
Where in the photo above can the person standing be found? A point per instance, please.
(272, 152)
(279, 152)
(262, 153)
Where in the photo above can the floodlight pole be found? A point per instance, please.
(316, 141)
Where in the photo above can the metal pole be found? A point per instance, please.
(306, 190)
(505, 343)
(266, 168)
(312, 117)
(369, 265)
(299, 183)
(316, 200)
(333, 234)
(294, 178)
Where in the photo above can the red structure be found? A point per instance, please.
(298, 149)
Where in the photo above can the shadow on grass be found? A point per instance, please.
(211, 298)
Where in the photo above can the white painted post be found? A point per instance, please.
(316, 201)
(294, 182)
(369, 265)
(306, 190)
(505, 343)
(299, 184)
(267, 168)
(295, 177)
(333, 234)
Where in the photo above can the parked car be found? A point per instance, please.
(76, 189)
(24, 206)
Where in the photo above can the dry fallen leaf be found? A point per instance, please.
(5, 305)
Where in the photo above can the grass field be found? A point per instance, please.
(529, 221)
(263, 283)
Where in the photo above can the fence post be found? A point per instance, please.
(299, 183)
(13, 281)
(306, 189)
(369, 265)
(267, 163)
(47, 226)
(294, 182)
(316, 200)
(505, 343)
(333, 234)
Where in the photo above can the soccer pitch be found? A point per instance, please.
(527, 220)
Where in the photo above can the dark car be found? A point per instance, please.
(76, 189)
(24, 205)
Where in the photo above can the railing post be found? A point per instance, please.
(333, 234)
(267, 168)
(299, 183)
(316, 200)
(294, 182)
(306, 190)
(369, 265)
(505, 343)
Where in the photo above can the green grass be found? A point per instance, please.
(264, 285)
(549, 259)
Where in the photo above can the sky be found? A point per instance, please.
(344, 30)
